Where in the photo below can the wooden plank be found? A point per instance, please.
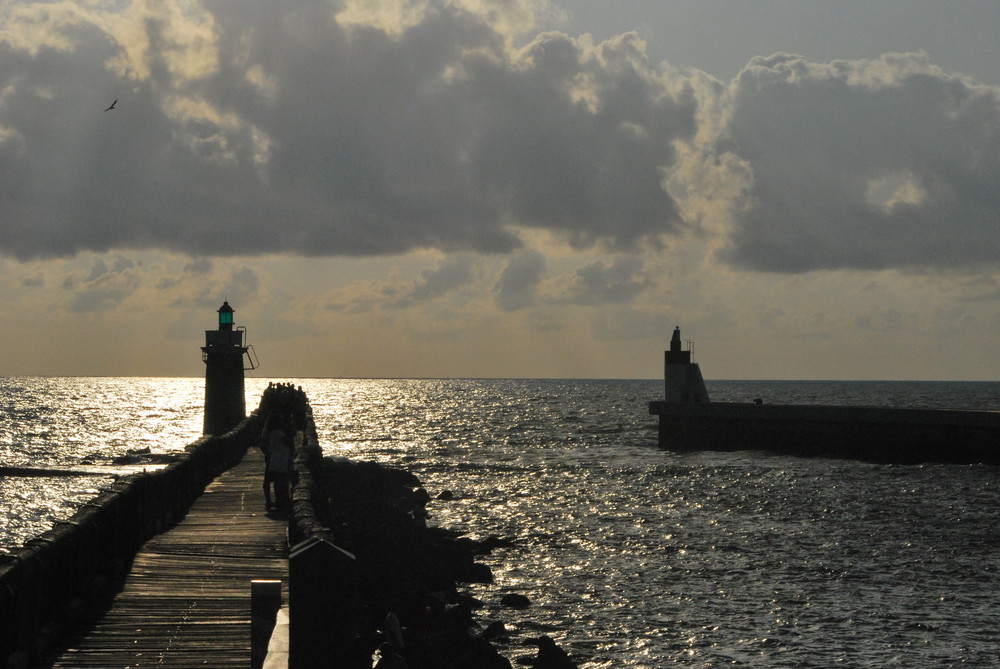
(186, 601)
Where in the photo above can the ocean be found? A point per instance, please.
(631, 556)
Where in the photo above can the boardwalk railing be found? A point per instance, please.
(310, 512)
(79, 563)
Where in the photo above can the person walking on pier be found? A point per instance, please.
(277, 445)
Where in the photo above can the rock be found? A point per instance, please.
(515, 601)
(406, 571)
(493, 541)
(495, 630)
(551, 656)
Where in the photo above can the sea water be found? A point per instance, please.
(632, 556)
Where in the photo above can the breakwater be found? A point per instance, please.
(75, 567)
(689, 421)
(872, 434)
(369, 576)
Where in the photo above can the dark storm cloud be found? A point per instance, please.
(865, 164)
(271, 128)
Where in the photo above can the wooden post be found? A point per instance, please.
(322, 608)
(265, 600)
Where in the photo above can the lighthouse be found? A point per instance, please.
(682, 378)
(225, 398)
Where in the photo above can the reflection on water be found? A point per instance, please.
(635, 557)
(32, 503)
(639, 558)
(80, 421)
(83, 423)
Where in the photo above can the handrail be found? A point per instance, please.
(80, 561)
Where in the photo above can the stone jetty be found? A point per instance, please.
(689, 421)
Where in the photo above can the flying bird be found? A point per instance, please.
(112, 105)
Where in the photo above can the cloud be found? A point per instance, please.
(204, 287)
(318, 129)
(104, 286)
(451, 274)
(882, 319)
(867, 164)
(358, 128)
(517, 286)
(598, 283)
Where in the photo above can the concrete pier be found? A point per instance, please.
(689, 421)
(872, 434)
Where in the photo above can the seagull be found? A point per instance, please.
(112, 105)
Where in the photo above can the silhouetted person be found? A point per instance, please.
(277, 461)
(266, 450)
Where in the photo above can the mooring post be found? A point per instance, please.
(322, 608)
(265, 600)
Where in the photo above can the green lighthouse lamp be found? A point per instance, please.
(226, 316)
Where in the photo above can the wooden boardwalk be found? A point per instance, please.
(186, 602)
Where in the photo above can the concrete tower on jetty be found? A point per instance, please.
(682, 378)
(223, 353)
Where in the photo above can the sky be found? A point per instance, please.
(502, 188)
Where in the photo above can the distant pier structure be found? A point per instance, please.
(226, 357)
(688, 421)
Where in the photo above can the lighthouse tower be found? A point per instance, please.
(682, 378)
(225, 398)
